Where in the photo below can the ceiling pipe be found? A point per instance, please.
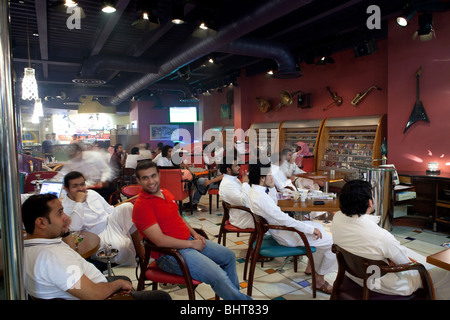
(262, 15)
(167, 86)
(95, 64)
(266, 49)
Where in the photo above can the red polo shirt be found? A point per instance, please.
(149, 209)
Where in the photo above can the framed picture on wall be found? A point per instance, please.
(162, 131)
(225, 111)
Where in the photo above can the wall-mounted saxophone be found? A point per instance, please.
(359, 96)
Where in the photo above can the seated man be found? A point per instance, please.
(53, 269)
(290, 172)
(263, 201)
(355, 230)
(155, 215)
(133, 158)
(235, 192)
(114, 225)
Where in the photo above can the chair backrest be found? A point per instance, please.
(128, 176)
(28, 187)
(171, 179)
(131, 190)
(308, 164)
(363, 268)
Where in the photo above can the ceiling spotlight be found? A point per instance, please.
(407, 15)
(108, 7)
(70, 3)
(324, 60)
(178, 13)
(204, 30)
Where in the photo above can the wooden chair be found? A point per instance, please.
(131, 190)
(265, 246)
(58, 167)
(153, 273)
(28, 186)
(172, 180)
(346, 289)
(128, 176)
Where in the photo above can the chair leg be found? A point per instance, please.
(210, 204)
(249, 254)
(217, 201)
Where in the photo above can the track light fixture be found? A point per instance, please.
(109, 7)
(178, 13)
(407, 14)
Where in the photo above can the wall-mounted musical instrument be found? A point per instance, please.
(361, 95)
(418, 113)
(337, 100)
(264, 105)
(286, 98)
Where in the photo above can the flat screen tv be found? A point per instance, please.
(183, 114)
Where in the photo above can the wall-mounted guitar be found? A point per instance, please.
(418, 113)
(337, 100)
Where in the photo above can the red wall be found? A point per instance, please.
(409, 151)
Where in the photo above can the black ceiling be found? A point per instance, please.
(254, 34)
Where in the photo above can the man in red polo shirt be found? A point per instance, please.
(155, 215)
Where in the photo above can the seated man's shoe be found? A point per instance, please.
(187, 207)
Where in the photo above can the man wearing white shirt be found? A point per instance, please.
(133, 158)
(355, 230)
(290, 170)
(263, 201)
(114, 225)
(235, 192)
(165, 160)
(53, 269)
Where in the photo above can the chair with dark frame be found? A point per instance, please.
(265, 246)
(346, 289)
(153, 273)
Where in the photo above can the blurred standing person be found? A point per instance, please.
(93, 165)
(47, 148)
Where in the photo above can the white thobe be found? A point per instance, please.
(234, 192)
(266, 206)
(362, 236)
(113, 225)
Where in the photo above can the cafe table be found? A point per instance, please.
(89, 244)
(440, 259)
(308, 205)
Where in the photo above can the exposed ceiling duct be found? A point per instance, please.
(267, 12)
(266, 49)
(90, 72)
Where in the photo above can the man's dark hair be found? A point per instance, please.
(354, 197)
(255, 172)
(117, 146)
(70, 176)
(165, 150)
(228, 161)
(144, 165)
(134, 150)
(35, 207)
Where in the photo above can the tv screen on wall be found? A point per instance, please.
(183, 114)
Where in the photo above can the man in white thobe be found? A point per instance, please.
(263, 201)
(90, 212)
(356, 230)
(235, 192)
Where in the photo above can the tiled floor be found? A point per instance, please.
(271, 283)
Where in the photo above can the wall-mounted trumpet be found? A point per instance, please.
(359, 96)
(286, 98)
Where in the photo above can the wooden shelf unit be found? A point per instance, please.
(267, 135)
(347, 141)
